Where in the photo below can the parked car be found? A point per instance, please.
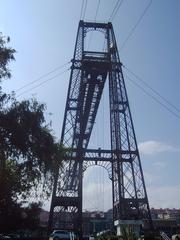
(4, 237)
(62, 235)
(176, 237)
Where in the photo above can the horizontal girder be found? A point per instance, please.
(102, 155)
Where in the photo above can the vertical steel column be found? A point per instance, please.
(66, 204)
(130, 197)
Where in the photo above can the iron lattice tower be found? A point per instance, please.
(89, 72)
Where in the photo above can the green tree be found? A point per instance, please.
(128, 232)
(31, 218)
(28, 151)
(10, 185)
(24, 135)
(6, 55)
(25, 138)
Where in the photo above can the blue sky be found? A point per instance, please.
(43, 33)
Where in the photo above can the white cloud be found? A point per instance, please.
(151, 178)
(1, 29)
(97, 189)
(159, 197)
(159, 164)
(97, 197)
(153, 147)
(89, 171)
(164, 197)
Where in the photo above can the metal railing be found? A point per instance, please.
(164, 236)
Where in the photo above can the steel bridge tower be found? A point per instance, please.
(89, 72)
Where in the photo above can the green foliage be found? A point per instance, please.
(149, 236)
(10, 182)
(10, 185)
(24, 135)
(26, 139)
(30, 216)
(13, 215)
(128, 233)
(109, 236)
(29, 155)
(6, 55)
